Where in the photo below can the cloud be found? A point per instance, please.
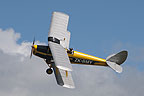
(135, 51)
(8, 41)
(28, 78)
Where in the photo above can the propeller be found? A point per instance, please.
(32, 48)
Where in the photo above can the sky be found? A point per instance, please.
(98, 27)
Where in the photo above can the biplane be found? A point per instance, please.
(59, 56)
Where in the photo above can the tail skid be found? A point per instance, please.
(114, 61)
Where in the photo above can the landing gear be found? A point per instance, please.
(49, 71)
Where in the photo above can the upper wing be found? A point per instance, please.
(60, 56)
(58, 39)
(58, 28)
(63, 77)
(65, 43)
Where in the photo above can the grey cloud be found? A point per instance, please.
(28, 78)
(20, 76)
(135, 52)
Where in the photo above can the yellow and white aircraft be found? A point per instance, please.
(59, 56)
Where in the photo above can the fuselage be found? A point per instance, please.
(75, 57)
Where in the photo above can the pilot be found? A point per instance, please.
(70, 51)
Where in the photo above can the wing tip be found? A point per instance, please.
(69, 86)
(64, 68)
(61, 13)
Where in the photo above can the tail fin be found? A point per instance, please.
(114, 61)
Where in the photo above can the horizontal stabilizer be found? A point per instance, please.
(114, 61)
(114, 66)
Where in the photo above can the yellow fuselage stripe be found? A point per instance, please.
(86, 56)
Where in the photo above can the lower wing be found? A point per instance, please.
(63, 77)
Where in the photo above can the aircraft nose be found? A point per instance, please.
(35, 46)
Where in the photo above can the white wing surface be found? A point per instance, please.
(65, 43)
(63, 77)
(58, 28)
(60, 56)
(58, 39)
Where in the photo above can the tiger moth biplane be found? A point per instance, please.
(59, 56)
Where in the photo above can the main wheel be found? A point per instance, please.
(49, 71)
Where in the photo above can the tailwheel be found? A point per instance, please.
(49, 71)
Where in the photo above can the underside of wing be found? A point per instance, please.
(58, 28)
(59, 23)
(63, 77)
(60, 56)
